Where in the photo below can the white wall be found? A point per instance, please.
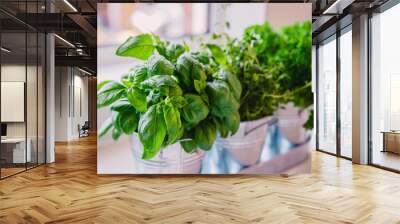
(70, 83)
(239, 15)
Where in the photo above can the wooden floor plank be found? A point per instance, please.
(70, 191)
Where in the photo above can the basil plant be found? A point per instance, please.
(173, 95)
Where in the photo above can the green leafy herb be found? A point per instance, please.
(109, 93)
(274, 68)
(140, 47)
(205, 134)
(168, 98)
(137, 98)
(152, 131)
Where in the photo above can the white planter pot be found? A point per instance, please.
(290, 122)
(248, 142)
(170, 160)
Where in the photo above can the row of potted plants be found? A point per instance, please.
(227, 92)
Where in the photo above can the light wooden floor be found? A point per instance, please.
(69, 191)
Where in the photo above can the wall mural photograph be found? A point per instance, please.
(204, 88)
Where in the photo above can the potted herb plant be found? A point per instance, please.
(292, 71)
(263, 62)
(172, 104)
(258, 98)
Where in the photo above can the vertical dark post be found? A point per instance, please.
(26, 86)
(317, 97)
(338, 72)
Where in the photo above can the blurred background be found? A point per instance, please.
(176, 22)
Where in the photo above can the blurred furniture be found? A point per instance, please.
(84, 130)
(391, 141)
(13, 150)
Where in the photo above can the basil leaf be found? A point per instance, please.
(174, 51)
(222, 101)
(138, 75)
(105, 127)
(140, 47)
(188, 69)
(221, 127)
(183, 68)
(121, 105)
(101, 84)
(166, 85)
(205, 134)
(109, 93)
(173, 123)
(195, 110)
(153, 97)
(233, 82)
(199, 85)
(188, 143)
(128, 121)
(177, 101)
(217, 53)
(116, 133)
(232, 122)
(137, 99)
(152, 131)
(158, 65)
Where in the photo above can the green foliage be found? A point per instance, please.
(168, 98)
(222, 101)
(159, 65)
(137, 98)
(194, 111)
(273, 68)
(140, 47)
(152, 131)
(109, 92)
(205, 134)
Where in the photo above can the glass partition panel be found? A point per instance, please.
(385, 89)
(346, 93)
(14, 153)
(32, 98)
(327, 96)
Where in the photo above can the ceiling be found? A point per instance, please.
(74, 22)
(330, 15)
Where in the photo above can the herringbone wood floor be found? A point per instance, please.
(69, 191)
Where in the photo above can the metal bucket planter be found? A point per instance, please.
(246, 145)
(290, 122)
(170, 160)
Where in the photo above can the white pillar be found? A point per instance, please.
(50, 99)
(360, 90)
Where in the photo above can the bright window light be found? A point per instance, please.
(64, 40)
(5, 50)
(70, 5)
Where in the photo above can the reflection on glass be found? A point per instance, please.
(385, 84)
(327, 96)
(41, 98)
(22, 90)
(13, 85)
(31, 97)
(346, 94)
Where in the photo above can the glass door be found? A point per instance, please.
(22, 95)
(327, 95)
(345, 92)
